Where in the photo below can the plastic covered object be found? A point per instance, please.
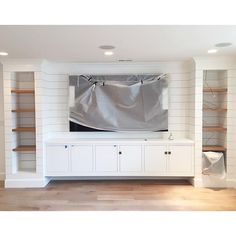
(214, 164)
(120, 102)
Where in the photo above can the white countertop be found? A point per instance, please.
(117, 140)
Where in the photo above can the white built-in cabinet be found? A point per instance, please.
(97, 159)
(81, 158)
(106, 158)
(58, 158)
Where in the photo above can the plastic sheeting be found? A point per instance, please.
(120, 102)
(213, 164)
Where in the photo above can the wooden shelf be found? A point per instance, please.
(22, 91)
(28, 148)
(213, 148)
(215, 109)
(24, 110)
(214, 129)
(24, 129)
(215, 90)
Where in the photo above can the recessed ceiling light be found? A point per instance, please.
(106, 47)
(3, 53)
(108, 53)
(212, 51)
(222, 45)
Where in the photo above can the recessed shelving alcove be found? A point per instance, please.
(23, 122)
(214, 110)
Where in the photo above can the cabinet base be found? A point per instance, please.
(26, 183)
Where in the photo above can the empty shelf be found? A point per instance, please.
(215, 109)
(24, 129)
(22, 91)
(213, 148)
(24, 110)
(28, 148)
(216, 90)
(214, 128)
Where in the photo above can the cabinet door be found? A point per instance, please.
(130, 158)
(82, 158)
(57, 158)
(180, 160)
(106, 158)
(155, 159)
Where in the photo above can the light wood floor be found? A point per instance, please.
(117, 195)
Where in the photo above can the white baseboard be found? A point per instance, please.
(26, 183)
(200, 183)
(231, 183)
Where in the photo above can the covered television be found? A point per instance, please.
(121, 103)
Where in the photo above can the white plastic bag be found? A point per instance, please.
(214, 164)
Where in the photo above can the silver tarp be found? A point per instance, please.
(119, 102)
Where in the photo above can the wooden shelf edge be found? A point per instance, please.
(24, 129)
(214, 128)
(23, 91)
(215, 109)
(216, 90)
(25, 148)
(23, 110)
(213, 148)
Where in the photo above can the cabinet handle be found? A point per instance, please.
(65, 146)
(166, 153)
(169, 153)
(120, 152)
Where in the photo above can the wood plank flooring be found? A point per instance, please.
(133, 195)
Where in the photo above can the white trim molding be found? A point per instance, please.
(26, 183)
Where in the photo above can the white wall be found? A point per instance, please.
(55, 92)
(2, 162)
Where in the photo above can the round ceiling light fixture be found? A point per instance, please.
(106, 47)
(223, 45)
(3, 53)
(108, 53)
(212, 51)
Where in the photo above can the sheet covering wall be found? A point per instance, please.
(119, 102)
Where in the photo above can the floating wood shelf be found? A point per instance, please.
(24, 110)
(22, 91)
(213, 148)
(216, 90)
(214, 129)
(215, 109)
(24, 129)
(28, 148)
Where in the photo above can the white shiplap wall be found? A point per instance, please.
(2, 159)
(55, 93)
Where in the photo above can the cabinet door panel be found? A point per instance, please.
(180, 159)
(130, 158)
(57, 158)
(82, 158)
(155, 158)
(106, 158)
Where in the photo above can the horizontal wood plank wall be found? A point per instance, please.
(55, 94)
(2, 161)
(231, 125)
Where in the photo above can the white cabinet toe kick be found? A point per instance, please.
(111, 158)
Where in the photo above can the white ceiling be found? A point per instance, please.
(139, 43)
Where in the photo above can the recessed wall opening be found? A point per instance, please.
(23, 122)
(214, 119)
